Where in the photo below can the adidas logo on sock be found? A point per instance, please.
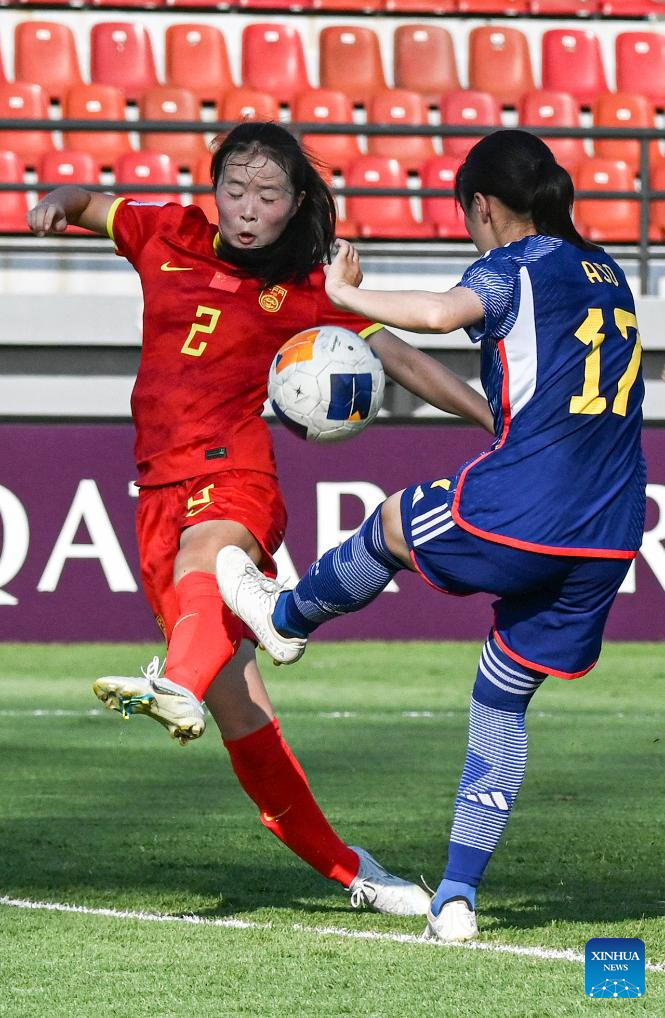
(496, 800)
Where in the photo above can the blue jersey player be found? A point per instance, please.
(548, 519)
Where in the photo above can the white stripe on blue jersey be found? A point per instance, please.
(521, 349)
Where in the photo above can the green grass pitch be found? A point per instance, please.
(104, 814)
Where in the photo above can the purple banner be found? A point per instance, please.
(68, 560)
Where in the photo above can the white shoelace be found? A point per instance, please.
(154, 670)
(260, 583)
(360, 895)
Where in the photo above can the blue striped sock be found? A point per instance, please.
(494, 768)
(343, 580)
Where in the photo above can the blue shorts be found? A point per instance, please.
(551, 609)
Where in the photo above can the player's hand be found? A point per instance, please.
(47, 217)
(344, 271)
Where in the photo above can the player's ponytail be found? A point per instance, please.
(520, 170)
(309, 235)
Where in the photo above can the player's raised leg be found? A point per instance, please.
(343, 580)
(272, 777)
(492, 776)
(152, 694)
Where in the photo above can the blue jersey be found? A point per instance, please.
(560, 364)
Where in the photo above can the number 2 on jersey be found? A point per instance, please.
(591, 333)
(197, 351)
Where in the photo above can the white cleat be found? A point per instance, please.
(253, 596)
(376, 888)
(170, 704)
(455, 922)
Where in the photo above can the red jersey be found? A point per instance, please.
(210, 332)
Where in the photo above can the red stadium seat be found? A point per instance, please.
(631, 8)
(621, 109)
(614, 220)
(323, 105)
(551, 7)
(58, 168)
(193, 4)
(45, 54)
(272, 5)
(425, 61)
(657, 211)
(197, 59)
(355, 6)
(25, 102)
(147, 168)
(399, 106)
(121, 55)
(350, 61)
(346, 229)
(166, 103)
(68, 167)
(148, 5)
(96, 102)
(541, 108)
(421, 6)
(444, 214)
(640, 65)
(14, 205)
(493, 6)
(467, 108)
(500, 63)
(248, 104)
(382, 217)
(573, 62)
(273, 61)
(201, 175)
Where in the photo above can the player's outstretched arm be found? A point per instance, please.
(431, 381)
(70, 205)
(417, 310)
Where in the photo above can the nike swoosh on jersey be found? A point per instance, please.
(167, 267)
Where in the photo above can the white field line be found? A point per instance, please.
(92, 712)
(542, 953)
(334, 715)
(52, 713)
(327, 715)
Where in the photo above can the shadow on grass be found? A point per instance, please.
(166, 868)
(114, 864)
(589, 903)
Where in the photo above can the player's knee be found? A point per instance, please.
(391, 517)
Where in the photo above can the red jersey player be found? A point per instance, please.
(218, 303)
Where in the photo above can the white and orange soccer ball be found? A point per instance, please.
(326, 384)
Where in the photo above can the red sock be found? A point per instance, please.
(270, 774)
(205, 637)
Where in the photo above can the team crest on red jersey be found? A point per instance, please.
(272, 298)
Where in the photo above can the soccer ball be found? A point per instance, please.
(326, 384)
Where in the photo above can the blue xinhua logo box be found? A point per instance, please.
(614, 968)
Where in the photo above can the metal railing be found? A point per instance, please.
(645, 195)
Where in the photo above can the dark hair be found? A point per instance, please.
(309, 235)
(520, 170)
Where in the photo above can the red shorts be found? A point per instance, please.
(245, 496)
